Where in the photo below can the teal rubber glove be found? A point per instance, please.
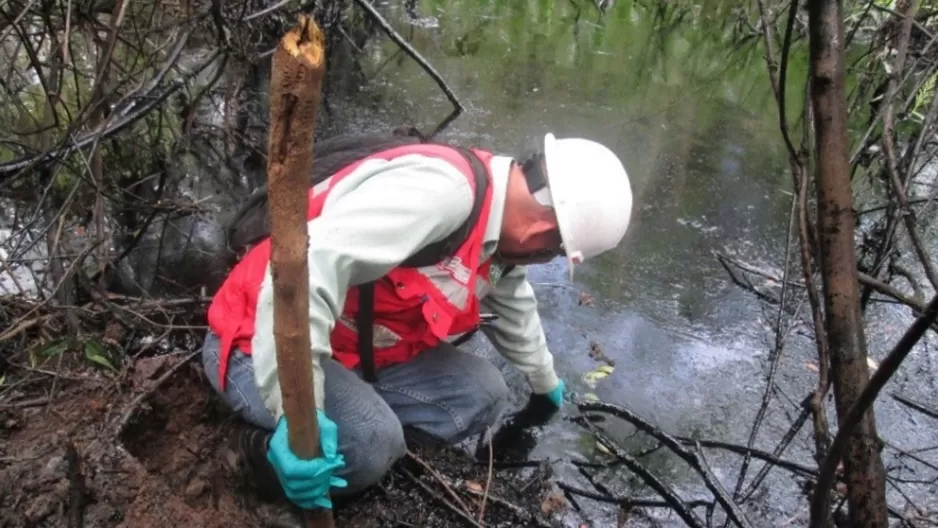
(556, 395)
(307, 482)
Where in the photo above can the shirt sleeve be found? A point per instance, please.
(373, 219)
(517, 333)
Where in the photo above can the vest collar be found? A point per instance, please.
(499, 167)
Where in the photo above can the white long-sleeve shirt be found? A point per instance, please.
(375, 218)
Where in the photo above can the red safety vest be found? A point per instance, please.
(414, 309)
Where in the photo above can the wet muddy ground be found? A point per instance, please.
(131, 435)
(149, 451)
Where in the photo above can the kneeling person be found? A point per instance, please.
(410, 243)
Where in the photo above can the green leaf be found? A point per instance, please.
(53, 349)
(46, 351)
(95, 353)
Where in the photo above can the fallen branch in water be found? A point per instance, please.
(606, 495)
(744, 283)
(794, 467)
(780, 448)
(887, 368)
(626, 502)
(692, 458)
(890, 291)
(458, 108)
(670, 499)
(924, 409)
(665, 491)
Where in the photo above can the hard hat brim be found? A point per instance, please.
(558, 193)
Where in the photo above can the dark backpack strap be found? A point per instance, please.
(429, 255)
(364, 322)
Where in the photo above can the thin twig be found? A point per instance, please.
(778, 451)
(665, 491)
(911, 18)
(55, 379)
(70, 377)
(862, 144)
(794, 467)
(732, 509)
(76, 487)
(776, 353)
(905, 496)
(132, 111)
(878, 208)
(913, 456)
(865, 279)
(626, 502)
(516, 510)
(439, 478)
(8, 268)
(778, 84)
(458, 108)
(132, 408)
(23, 404)
(488, 479)
(899, 187)
(462, 515)
(924, 409)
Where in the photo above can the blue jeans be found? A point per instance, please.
(444, 392)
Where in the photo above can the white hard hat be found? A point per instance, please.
(589, 190)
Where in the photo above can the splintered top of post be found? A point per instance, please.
(306, 42)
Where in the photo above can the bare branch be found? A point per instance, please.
(886, 369)
(458, 108)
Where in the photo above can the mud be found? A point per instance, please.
(147, 450)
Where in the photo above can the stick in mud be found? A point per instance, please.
(298, 67)
(76, 487)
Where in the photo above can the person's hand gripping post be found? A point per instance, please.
(307, 482)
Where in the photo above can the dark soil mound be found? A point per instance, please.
(148, 451)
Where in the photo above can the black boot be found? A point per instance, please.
(246, 455)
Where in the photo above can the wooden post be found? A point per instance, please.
(298, 66)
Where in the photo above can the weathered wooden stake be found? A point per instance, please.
(298, 66)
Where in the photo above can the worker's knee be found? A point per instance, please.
(485, 395)
(370, 434)
(459, 394)
(370, 449)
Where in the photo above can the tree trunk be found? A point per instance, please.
(863, 467)
(298, 66)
